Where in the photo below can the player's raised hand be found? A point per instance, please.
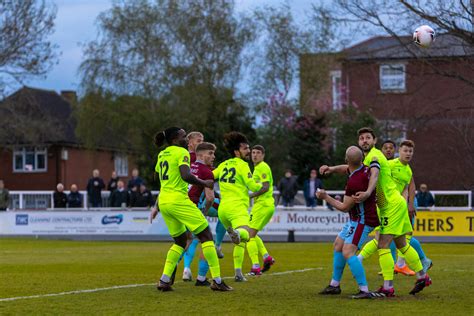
(320, 194)
(325, 169)
(153, 213)
(360, 197)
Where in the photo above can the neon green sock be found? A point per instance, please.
(172, 258)
(209, 252)
(369, 249)
(253, 251)
(399, 253)
(412, 258)
(261, 246)
(239, 253)
(386, 264)
(244, 234)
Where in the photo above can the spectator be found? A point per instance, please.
(310, 187)
(4, 197)
(74, 199)
(288, 188)
(113, 182)
(143, 198)
(119, 197)
(424, 197)
(94, 189)
(59, 197)
(135, 181)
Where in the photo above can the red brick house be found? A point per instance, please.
(39, 147)
(426, 95)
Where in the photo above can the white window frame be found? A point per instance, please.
(37, 151)
(387, 80)
(336, 90)
(121, 164)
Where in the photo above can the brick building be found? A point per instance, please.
(426, 95)
(40, 149)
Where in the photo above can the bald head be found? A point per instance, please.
(354, 156)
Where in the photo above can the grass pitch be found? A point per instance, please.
(38, 267)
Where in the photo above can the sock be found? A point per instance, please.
(417, 246)
(239, 252)
(244, 234)
(386, 264)
(209, 252)
(238, 272)
(337, 267)
(369, 249)
(357, 271)
(411, 257)
(388, 284)
(220, 233)
(393, 250)
(201, 278)
(253, 253)
(171, 260)
(400, 260)
(203, 268)
(261, 247)
(189, 254)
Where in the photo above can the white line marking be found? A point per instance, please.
(9, 299)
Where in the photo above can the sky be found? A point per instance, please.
(76, 26)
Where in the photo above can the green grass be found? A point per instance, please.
(34, 267)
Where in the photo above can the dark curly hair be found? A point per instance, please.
(233, 140)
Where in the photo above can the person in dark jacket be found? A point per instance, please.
(94, 189)
(143, 198)
(113, 182)
(310, 186)
(59, 197)
(135, 181)
(119, 197)
(424, 197)
(288, 188)
(74, 199)
(4, 197)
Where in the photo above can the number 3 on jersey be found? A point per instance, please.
(164, 167)
(228, 175)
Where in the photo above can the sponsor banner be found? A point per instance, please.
(458, 224)
(309, 223)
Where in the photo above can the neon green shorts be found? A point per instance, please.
(395, 220)
(260, 215)
(183, 215)
(233, 214)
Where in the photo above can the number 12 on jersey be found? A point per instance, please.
(164, 167)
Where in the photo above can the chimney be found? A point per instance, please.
(70, 96)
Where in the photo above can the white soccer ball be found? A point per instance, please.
(424, 36)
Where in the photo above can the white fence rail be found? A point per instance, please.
(42, 200)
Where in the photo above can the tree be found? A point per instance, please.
(25, 50)
(147, 48)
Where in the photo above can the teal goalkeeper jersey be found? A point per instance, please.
(262, 173)
(235, 180)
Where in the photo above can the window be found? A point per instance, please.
(121, 165)
(336, 90)
(392, 77)
(30, 159)
(394, 130)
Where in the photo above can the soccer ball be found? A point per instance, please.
(424, 36)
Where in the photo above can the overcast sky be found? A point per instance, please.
(75, 25)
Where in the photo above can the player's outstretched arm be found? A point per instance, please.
(411, 197)
(264, 189)
(154, 211)
(327, 170)
(344, 206)
(360, 197)
(187, 176)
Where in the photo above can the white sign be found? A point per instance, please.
(137, 223)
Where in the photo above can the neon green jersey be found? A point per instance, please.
(386, 188)
(262, 173)
(235, 180)
(173, 187)
(401, 174)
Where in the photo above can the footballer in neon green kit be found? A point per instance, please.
(262, 212)
(178, 211)
(393, 215)
(235, 181)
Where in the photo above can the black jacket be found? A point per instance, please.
(112, 184)
(94, 188)
(117, 198)
(74, 199)
(144, 199)
(60, 199)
